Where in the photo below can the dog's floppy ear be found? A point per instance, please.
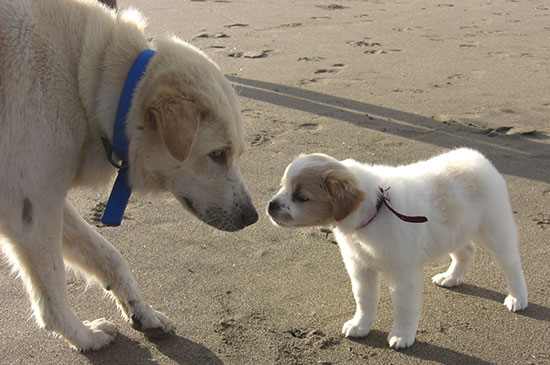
(177, 119)
(344, 192)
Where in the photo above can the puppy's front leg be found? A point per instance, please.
(87, 251)
(366, 290)
(406, 294)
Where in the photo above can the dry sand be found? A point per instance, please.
(380, 81)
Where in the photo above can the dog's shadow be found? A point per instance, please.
(179, 349)
(533, 311)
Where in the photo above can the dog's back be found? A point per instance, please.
(472, 180)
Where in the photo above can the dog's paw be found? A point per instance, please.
(446, 280)
(152, 323)
(399, 341)
(94, 335)
(356, 328)
(515, 304)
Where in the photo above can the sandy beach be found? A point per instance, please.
(380, 81)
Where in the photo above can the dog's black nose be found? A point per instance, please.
(250, 217)
(273, 206)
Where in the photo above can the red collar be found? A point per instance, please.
(383, 199)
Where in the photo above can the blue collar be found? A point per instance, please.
(120, 194)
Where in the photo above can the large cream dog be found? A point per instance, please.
(63, 64)
(456, 197)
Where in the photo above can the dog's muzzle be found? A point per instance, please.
(235, 220)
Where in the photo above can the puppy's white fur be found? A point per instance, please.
(62, 68)
(460, 192)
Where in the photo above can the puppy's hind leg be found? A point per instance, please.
(87, 251)
(36, 253)
(502, 242)
(454, 275)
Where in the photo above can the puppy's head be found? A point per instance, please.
(187, 136)
(316, 190)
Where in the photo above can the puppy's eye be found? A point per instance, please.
(298, 197)
(219, 156)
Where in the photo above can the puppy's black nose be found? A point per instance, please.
(273, 206)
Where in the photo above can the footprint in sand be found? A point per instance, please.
(308, 81)
(324, 71)
(250, 54)
(311, 59)
(260, 138)
(308, 126)
(331, 6)
(236, 25)
(335, 68)
(364, 43)
(375, 52)
(289, 25)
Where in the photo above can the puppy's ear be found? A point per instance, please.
(344, 192)
(177, 119)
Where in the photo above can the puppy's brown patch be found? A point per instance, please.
(332, 190)
(345, 192)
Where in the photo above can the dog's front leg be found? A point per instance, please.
(87, 251)
(406, 295)
(36, 250)
(366, 290)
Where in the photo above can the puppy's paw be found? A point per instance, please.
(152, 323)
(94, 335)
(400, 341)
(515, 304)
(356, 327)
(446, 280)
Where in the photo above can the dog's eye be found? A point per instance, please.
(298, 197)
(219, 156)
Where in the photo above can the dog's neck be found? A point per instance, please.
(370, 217)
(384, 200)
(109, 50)
(376, 198)
(117, 63)
(120, 194)
(369, 207)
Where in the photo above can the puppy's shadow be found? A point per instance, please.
(533, 311)
(125, 350)
(420, 350)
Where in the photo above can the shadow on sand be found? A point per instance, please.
(533, 310)
(507, 152)
(180, 350)
(420, 350)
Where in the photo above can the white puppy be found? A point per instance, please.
(460, 194)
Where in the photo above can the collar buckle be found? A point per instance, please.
(384, 199)
(109, 150)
